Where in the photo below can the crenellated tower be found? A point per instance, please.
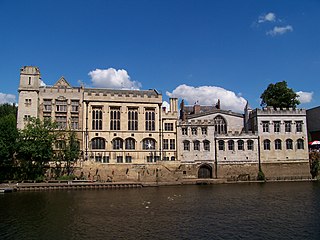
(28, 94)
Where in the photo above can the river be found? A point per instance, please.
(226, 211)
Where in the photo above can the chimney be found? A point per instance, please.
(196, 108)
(173, 105)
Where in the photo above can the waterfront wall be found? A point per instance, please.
(173, 172)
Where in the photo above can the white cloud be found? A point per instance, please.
(209, 95)
(42, 83)
(305, 97)
(112, 78)
(7, 98)
(280, 30)
(165, 105)
(269, 17)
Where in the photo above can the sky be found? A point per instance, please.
(197, 50)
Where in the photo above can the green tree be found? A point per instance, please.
(314, 160)
(279, 96)
(35, 148)
(67, 151)
(8, 109)
(8, 146)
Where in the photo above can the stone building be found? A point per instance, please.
(127, 135)
(113, 126)
(223, 144)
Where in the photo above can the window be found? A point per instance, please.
(150, 120)
(98, 143)
(117, 144)
(98, 158)
(74, 122)
(148, 143)
(266, 144)
(194, 131)
(74, 106)
(196, 145)
(47, 107)
(173, 158)
(277, 144)
(61, 105)
(298, 126)
(29, 81)
(184, 131)
(61, 122)
(287, 126)
(168, 126)
(300, 144)
(114, 118)
(250, 145)
(221, 145)
(97, 118)
(128, 159)
(133, 119)
(151, 159)
(105, 159)
(220, 125)
(265, 126)
(230, 145)
(61, 145)
(289, 144)
(26, 117)
(206, 145)
(204, 130)
(240, 145)
(276, 126)
(119, 159)
(130, 144)
(27, 101)
(172, 144)
(186, 145)
(165, 144)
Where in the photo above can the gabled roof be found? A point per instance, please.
(62, 82)
(215, 111)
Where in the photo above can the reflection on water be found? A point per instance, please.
(229, 211)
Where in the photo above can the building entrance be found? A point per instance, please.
(205, 171)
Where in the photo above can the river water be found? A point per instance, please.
(226, 211)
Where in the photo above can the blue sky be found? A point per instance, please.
(197, 50)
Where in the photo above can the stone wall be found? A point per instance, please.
(286, 171)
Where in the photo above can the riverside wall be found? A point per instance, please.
(177, 172)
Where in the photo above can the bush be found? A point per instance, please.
(67, 177)
(261, 176)
(314, 160)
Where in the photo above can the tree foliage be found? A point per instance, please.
(35, 147)
(8, 136)
(314, 159)
(68, 151)
(279, 96)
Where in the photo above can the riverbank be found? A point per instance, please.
(83, 184)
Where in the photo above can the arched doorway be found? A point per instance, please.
(205, 171)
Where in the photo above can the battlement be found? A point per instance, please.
(29, 70)
(278, 111)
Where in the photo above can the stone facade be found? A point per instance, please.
(126, 135)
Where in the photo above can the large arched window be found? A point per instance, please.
(289, 144)
(206, 145)
(196, 145)
(250, 145)
(186, 145)
(117, 144)
(221, 145)
(231, 145)
(98, 143)
(277, 144)
(130, 143)
(220, 125)
(300, 144)
(148, 143)
(266, 144)
(240, 145)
